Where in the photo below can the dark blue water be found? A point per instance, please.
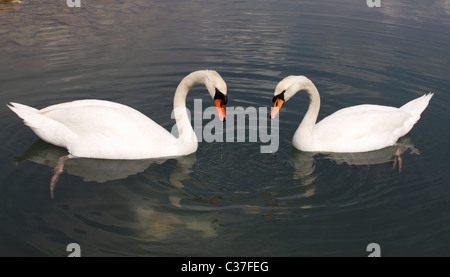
(227, 199)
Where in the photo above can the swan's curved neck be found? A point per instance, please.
(314, 105)
(185, 131)
(305, 129)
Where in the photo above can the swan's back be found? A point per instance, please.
(97, 129)
(367, 127)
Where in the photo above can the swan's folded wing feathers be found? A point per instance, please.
(108, 132)
(365, 126)
(46, 128)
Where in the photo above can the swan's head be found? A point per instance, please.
(217, 88)
(287, 88)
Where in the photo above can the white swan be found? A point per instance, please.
(107, 130)
(359, 128)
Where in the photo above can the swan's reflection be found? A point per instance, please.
(304, 162)
(99, 170)
(158, 225)
(154, 222)
(390, 154)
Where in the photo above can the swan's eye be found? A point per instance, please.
(222, 96)
(279, 96)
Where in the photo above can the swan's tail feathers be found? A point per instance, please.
(23, 111)
(418, 105)
(46, 128)
(17, 108)
(414, 108)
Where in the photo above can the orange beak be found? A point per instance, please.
(220, 109)
(276, 108)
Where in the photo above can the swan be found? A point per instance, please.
(106, 130)
(354, 129)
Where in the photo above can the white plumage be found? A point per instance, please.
(108, 130)
(358, 128)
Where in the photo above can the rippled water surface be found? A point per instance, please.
(228, 198)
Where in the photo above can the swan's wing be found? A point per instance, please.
(109, 130)
(88, 102)
(47, 129)
(361, 128)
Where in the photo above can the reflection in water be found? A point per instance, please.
(157, 225)
(7, 5)
(99, 170)
(198, 216)
(390, 154)
(153, 224)
(304, 162)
